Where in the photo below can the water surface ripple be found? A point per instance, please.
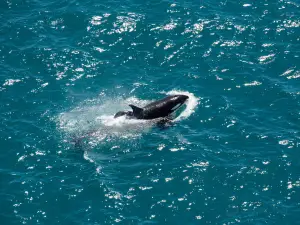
(68, 66)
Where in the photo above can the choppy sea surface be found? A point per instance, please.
(231, 157)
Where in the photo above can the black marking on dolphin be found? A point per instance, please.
(157, 109)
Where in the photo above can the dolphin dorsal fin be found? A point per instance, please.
(136, 110)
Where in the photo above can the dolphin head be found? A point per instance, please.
(177, 101)
(180, 99)
(183, 98)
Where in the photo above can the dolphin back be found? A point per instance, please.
(163, 107)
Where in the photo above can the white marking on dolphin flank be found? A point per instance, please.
(176, 106)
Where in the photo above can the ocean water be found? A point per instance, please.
(232, 156)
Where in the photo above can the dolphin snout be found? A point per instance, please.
(183, 98)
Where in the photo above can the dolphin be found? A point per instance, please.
(162, 108)
(158, 109)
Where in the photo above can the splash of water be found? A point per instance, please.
(191, 104)
(95, 119)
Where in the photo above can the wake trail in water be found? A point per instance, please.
(94, 119)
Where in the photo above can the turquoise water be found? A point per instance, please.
(232, 155)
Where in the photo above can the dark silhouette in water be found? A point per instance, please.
(158, 109)
(161, 109)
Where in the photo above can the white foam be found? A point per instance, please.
(121, 121)
(94, 120)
